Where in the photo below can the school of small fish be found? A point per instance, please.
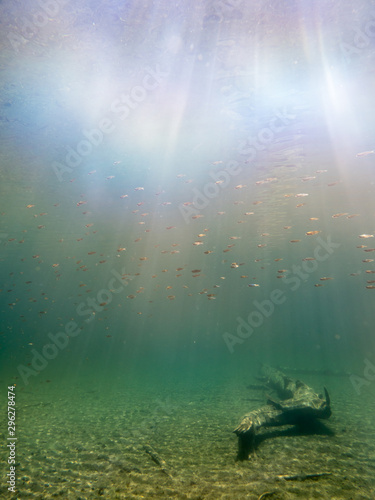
(177, 258)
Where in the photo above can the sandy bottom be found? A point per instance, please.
(126, 442)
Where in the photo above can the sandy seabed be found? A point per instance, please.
(132, 442)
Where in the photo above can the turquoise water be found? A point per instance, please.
(187, 191)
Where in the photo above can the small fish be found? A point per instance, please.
(310, 233)
(295, 241)
(30, 206)
(139, 189)
(366, 153)
(301, 195)
(366, 236)
(318, 284)
(325, 278)
(253, 285)
(334, 216)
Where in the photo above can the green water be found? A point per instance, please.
(187, 192)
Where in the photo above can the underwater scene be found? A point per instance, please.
(187, 249)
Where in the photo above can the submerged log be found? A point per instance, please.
(297, 403)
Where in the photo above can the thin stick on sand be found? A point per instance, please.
(266, 494)
(303, 477)
(157, 459)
